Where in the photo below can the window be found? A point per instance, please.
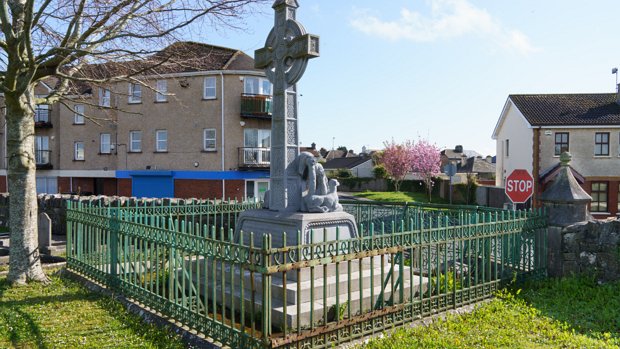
(47, 185)
(255, 190)
(161, 140)
(599, 197)
(601, 144)
(78, 151)
(42, 113)
(254, 85)
(618, 210)
(257, 144)
(42, 150)
(507, 149)
(105, 144)
(162, 90)
(209, 92)
(209, 139)
(561, 142)
(78, 114)
(135, 141)
(135, 93)
(104, 97)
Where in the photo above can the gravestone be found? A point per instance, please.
(45, 233)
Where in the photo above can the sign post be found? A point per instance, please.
(450, 171)
(519, 186)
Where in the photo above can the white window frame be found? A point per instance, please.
(135, 143)
(206, 139)
(39, 111)
(105, 143)
(161, 141)
(248, 88)
(104, 97)
(210, 88)
(42, 145)
(135, 93)
(161, 87)
(78, 114)
(78, 151)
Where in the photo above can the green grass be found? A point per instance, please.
(568, 313)
(66, 315)
(398, 196)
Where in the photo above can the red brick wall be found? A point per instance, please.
(124, 186)
(235, 189)
(198, 188)
(3, 185)
(64, 185)
(83, 185)
(109, 186)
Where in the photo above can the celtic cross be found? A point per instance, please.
(284, 58)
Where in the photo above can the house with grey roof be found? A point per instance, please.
(360, 166)
(534, 129)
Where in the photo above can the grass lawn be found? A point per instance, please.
(568, 313)
(399, 196)
(66, 315)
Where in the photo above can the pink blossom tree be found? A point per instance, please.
(397, 160)
(426, 163)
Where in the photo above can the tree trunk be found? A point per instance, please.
(24, 258)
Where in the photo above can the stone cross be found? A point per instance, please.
(284, 58)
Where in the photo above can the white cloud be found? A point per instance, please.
(448, 19)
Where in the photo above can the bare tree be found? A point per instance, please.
(40, 39)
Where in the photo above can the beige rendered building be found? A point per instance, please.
(196, 125)
(533, 130)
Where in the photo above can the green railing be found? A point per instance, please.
(304, 296)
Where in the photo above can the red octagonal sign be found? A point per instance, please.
(519, 186)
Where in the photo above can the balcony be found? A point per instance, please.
(42, 117)
(42, 158)
(256, 106)
(254, 158)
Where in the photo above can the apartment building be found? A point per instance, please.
(196, 125)
(533, 130)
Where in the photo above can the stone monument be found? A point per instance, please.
(300, 197)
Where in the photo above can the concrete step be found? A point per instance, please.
(304, 286)
(359, 300)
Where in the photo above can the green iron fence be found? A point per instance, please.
(304, 296)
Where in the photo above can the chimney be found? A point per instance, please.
(313, 146)
(489, 159)
(458, 149)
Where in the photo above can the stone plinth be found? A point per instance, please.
(324, 227)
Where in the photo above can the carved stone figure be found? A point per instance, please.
(315, 196)
(327, 202)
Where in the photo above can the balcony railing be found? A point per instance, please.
(256, 106)
(254, 157)
(42, 159)
(42, 117)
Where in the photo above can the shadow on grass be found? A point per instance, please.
(21, 327)
(25, 330)
(587, 307)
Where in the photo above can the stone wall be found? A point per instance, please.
(55, 206)
(591, 247)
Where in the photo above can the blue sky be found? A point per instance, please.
(438, 69)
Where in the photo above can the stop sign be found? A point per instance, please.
(519, 186)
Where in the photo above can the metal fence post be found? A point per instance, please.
(114, 224)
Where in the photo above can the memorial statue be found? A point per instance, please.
(316, 197)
